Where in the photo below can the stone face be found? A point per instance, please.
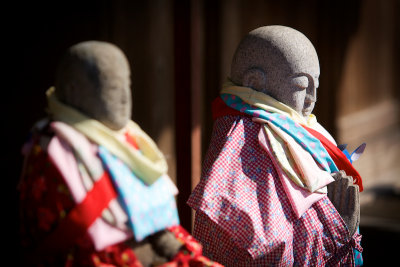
(281, 62)
(94, 77)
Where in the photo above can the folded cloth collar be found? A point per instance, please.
(148, 164)
(308, 126)
(307, 141)
(266, 102)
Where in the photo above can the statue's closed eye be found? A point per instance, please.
(301, 82)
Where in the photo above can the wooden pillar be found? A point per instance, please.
(183, 108)
(197, 88)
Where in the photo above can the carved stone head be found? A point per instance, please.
(94, 78)
(281, 62)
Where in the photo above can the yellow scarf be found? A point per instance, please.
(267, 103)
(148, 164)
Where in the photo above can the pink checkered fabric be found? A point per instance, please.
(243, 216)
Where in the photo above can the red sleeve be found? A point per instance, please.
(220, 109)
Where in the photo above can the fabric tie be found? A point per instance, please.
(355, 242)
(191, 254)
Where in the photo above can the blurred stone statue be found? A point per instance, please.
(94, 189)
(275, 189)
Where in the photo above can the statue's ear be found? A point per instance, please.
(255, 78)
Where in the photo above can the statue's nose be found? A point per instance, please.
(312, 90)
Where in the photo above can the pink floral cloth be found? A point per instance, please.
(244, 216)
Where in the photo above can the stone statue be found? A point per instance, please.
(94, 77)
(94, 188)
(274, 183)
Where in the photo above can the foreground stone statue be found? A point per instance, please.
(275, 189)
(94, 188)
